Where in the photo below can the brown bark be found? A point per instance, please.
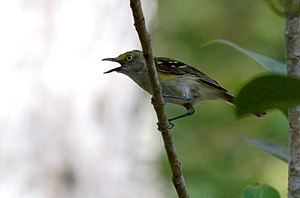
(292, 37)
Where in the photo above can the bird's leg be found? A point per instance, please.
(164, 101)
(190, 111)
(188, 106)
(166, 96)
(160, 128)
(188, 99)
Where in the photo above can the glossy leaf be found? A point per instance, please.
(271, 148)
(268, 92)
(260, 191)
(266, 62)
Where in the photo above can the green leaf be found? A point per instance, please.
(266, 62)
(285, 111)
(271, 148)
(260, 191)
(276, 6)
(268, 92)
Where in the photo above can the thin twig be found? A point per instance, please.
(144, 36)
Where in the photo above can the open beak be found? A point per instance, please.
(112, 60)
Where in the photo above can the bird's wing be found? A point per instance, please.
(171, 66)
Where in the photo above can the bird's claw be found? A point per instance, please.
(153, 101)
(161, 128)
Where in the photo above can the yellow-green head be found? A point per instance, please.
(131, 62)
(132, 65)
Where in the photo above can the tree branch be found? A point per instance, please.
(292, 39)
(144, 36)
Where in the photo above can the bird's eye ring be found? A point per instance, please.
(129, 58)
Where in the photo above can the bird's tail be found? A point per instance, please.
(229, 97)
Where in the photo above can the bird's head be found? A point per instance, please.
(131, 62)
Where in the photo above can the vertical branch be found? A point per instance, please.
(292, 38)
(178, 179)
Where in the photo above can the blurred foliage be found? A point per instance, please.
(277, 6)
(215, 160)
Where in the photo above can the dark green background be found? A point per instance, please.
(215, 160)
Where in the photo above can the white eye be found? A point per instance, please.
(129, 58)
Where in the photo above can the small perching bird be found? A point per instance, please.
(181, 83)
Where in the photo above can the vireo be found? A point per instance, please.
(181, 83)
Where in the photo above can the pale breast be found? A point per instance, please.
(188, 87)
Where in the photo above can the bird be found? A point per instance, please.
(181, 84)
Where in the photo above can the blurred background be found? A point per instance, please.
(68, 130)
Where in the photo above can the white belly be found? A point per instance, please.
(189, 88)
